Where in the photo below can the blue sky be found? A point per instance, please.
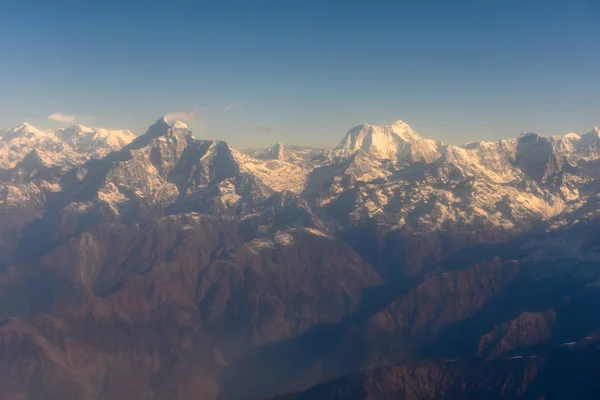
(256, 72)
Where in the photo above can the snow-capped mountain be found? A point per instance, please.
(96, 142)
(385, 173)
(397, 142)
(63, 148)
(299, 155)
(167, 169)
(25, 131)
(19, 141)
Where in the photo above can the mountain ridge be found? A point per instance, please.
(188, 269)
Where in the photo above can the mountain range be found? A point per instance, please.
(164, 266)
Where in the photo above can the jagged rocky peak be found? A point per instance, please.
(159, 128)
(564, 144)
(588, 142)
(542, 157)
(530, 144)
(162, 128)
(592, 136)
(278, 152)
(397, 142)
(73, 134)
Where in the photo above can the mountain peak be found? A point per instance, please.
(24, 126)
(278, 152)
(397, 142)
(402, 128)
(594, 132)
(278, 149)
(160, 128)
(178, 125)
(83, 128)
(529, 135)
(27, 130)
(572, 136)
(165, 121)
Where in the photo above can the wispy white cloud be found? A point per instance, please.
(184, 115)
(58, 117)
(181, 115)
(258, 129)
(233, 105)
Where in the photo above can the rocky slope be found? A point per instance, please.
(168, 267)
(567, 372)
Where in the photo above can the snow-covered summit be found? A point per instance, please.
(26, 130)
(83, 128)
(173, 123)
(397, 142)
(19, 141)
(97, 142)
(178, 125)
(64, 147)
(572, 136)
(162, 129)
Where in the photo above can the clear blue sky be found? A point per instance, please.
(254, 72)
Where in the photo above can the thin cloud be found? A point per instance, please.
(258, 129)
(231, 106)
(180, 115)
(58, 117)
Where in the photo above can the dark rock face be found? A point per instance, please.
(559, 374)
(470, 379)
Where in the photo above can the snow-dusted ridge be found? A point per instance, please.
(64, 147)
(386, 173)
(96, 142)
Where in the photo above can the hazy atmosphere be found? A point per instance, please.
(299, 200)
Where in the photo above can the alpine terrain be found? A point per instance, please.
(165, 266)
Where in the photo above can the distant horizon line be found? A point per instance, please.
(173, 122)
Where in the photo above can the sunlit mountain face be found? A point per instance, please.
(163, 266)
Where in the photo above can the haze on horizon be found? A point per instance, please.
(261, 72)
